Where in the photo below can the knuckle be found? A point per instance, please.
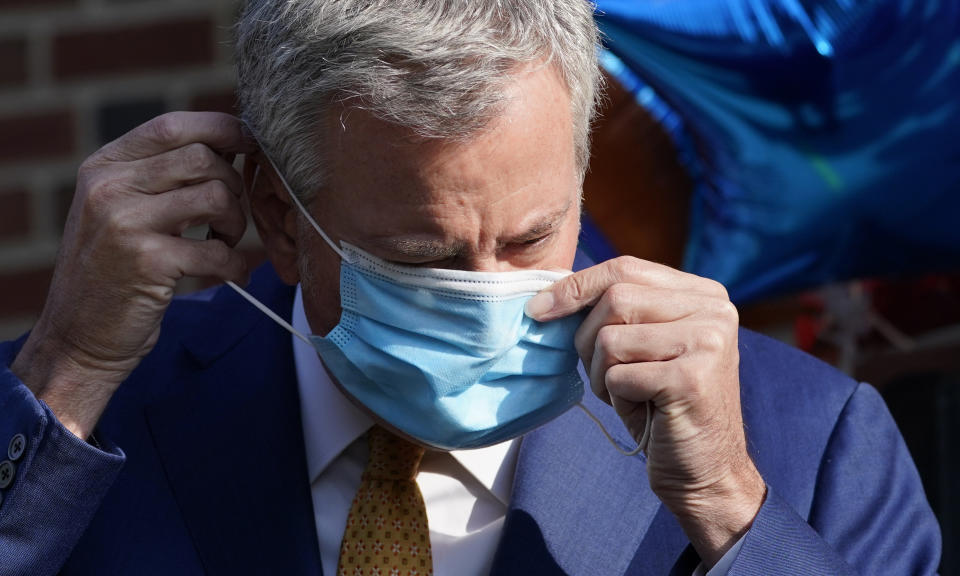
(94, 196)
(199, 158)
(728, 311)
(165, 128)
(144, 254)
(711, 339)
(113, 221)
(575, 287)
(100, 202)
(608, 338)
(719, 289)
(628, 267)
(216, 197)
(618, 298)
(87, 169)
(616, 379)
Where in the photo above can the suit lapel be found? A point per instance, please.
(232, 442)
(581, 508)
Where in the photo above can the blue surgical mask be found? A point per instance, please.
(446, 357)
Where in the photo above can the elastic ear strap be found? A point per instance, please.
(302, 208)
(273, 315)
(644, 440)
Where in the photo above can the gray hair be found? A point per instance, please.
(437, 67)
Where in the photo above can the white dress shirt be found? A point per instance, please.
(466, 492)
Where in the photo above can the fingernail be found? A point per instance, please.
(539, 305)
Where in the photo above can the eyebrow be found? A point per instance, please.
(435, 249)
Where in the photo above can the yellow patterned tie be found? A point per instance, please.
(387, 533)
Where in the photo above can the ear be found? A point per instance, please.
(273, 214)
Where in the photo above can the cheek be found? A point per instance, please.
(320, 282)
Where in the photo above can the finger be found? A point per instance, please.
(586, 287)
(635, 304)
(207, 203)
(633, 343)
(222, 132)
(190, 164)
(201, 258)
(634, 416)
(638, 382)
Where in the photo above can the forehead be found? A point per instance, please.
(523, 161)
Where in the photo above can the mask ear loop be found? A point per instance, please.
(303, 209)
(273, 315)
(644, 440)
(249, 297)
(286, 185)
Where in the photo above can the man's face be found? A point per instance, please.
(506, 199)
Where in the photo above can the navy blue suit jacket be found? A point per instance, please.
(201, 470)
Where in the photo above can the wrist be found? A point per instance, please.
(716, 517)
(76, 392)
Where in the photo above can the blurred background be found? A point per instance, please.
(806, 153)
(74, 75)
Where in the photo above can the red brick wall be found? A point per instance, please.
(75, 74)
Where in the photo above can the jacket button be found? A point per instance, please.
(7, 472)
(18, 445)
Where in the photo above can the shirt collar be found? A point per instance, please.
(331, 422)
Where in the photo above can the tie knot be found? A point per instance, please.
(392, 457)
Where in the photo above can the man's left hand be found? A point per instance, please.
(664, 336)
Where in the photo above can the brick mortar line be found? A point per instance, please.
(38, 54)
(198, 78)
(72, 20)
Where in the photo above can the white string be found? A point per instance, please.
(302, 208)
(644, 440)
(273, 316)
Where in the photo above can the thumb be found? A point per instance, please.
(571, 294)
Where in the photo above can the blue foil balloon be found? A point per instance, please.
(824, 136)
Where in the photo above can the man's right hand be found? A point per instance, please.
(122, 255)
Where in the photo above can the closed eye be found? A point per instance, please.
(530, 244)
(535, 241)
